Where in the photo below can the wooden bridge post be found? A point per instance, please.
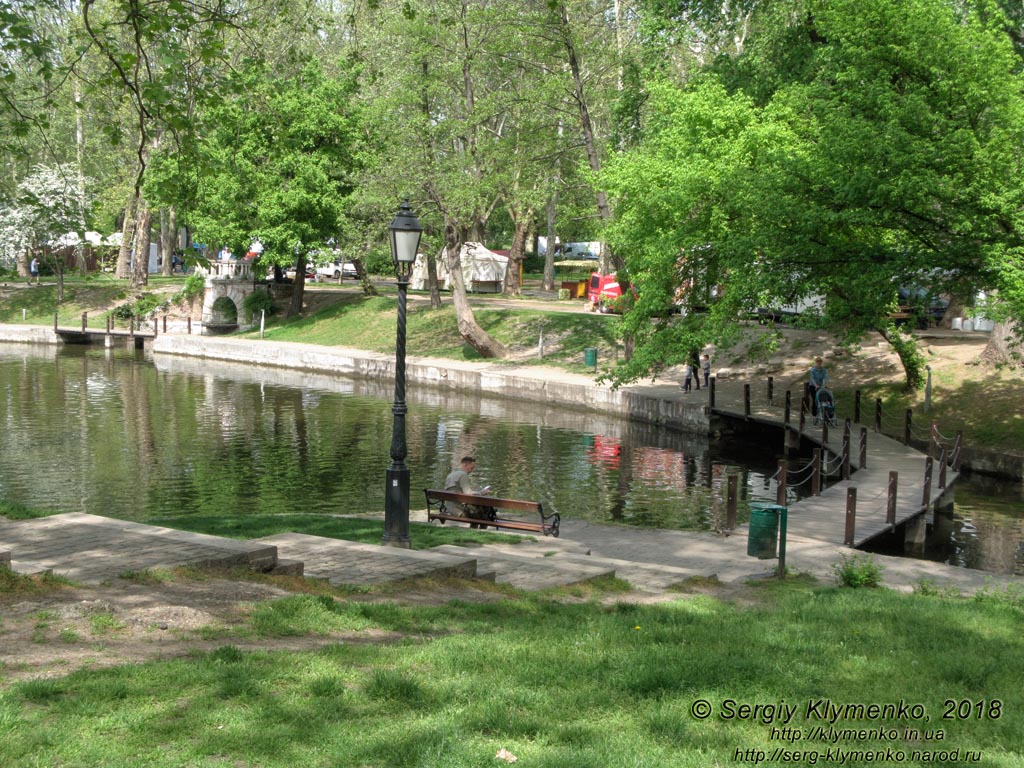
(85, 320)
(816, 473)
(803, 416)
(958, 450)
(746, 401)
(131, 326)
(165, 323)
(156, 324)
(711, 381)
(189, 323)
(730, 502)
(771, 390)
(890, 503)
(851, 516)
(780, 488)
(908, 421)
(856, 406)
(108, 324)
(846, 456)
(788, 407)
(55, 321)
(863, 447)
(824, 430)
(933, 440)
(942, 468)
(878, 414)
(926, 494)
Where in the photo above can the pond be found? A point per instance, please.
(121, 433)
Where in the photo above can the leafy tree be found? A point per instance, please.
(278, 165)
(876, 148)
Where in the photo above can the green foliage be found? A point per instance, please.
(259, 301)
(858, 571)
(827, 160)
(194, 286)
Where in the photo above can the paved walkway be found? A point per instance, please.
(90, 549)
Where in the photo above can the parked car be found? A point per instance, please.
(581, 251)
(337, 269)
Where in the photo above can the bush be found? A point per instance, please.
(563, 293)
(858, 571)
(258, 301)
(194, 285)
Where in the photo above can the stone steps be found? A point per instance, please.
(350, 563)
(528, 571)
(646, 577)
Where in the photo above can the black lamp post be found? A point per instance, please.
(405, 240)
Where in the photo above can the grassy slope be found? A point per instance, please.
(555, 683)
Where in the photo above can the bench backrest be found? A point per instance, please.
(491, 501)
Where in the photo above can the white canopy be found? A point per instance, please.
(483, 270)
(71, 239)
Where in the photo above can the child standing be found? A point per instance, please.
(687, 376)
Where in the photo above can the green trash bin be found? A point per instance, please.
(763, 533)
(590, 356)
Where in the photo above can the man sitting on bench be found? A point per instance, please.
(458, 482)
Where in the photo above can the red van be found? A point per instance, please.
(602, 290)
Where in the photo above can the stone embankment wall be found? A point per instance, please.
(541, 385)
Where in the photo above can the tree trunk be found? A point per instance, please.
(432, 283)
(80, 154)
(1005, 345)
(470, 331)
(140, 271)
(168, 239)
(124, 253)
(549, 255)
(298, 293)
(521, 229)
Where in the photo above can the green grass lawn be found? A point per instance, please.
(558, 685)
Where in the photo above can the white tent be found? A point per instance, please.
(482, 270)
(72, 239)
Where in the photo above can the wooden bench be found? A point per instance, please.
(438, 509)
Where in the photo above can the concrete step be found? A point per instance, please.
(527, 571)
(647, 577)
(355, 564)
(29, 568)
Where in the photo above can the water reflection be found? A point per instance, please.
(112, 432)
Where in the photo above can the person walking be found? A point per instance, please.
(706, 369)
(687, 376)
(33, 270)
(818, 379)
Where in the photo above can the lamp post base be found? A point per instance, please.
(396, 508)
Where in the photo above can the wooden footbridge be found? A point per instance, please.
(136, 333)
(882, 483)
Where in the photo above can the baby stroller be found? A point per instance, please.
(826, 407)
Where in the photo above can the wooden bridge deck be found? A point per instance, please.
(823, 517)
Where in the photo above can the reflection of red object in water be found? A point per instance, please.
(606, 451)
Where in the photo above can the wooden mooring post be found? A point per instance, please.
(54, 321)
(856, 406)
(846, 451)
(851, 516)
(789, 405)
(165, 323)
(771, 390)
(890, 501)
(926, 493)
(730, 502)
(189, 324)
(942, 468)
(908, 420)
(958, 450)
(863, 447)
(780, 488)
(711, 381)
(746, 401)
(85, 321)
(878, 414)
(816, 473)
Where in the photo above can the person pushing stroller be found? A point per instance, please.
(818, 380)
